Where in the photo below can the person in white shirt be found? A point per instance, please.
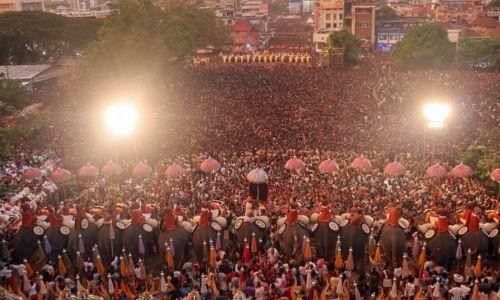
(459, 291)
(410, 289)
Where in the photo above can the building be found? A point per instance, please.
(21, 5)
(487, 27)
(452, 9)
(328, 16)
(387, 38)
(363, 21)
(32, 76)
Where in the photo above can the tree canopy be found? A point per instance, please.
(349, 44)
(483, 53)
(385, 13)
(33, 36)
(484, 154)
(12, 95)
(142, 39)
(424, 46)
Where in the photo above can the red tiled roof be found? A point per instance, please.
(485, 22)
(242, 26)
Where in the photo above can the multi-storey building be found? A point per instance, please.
(363, 21)
(20, 5)
(328, 17)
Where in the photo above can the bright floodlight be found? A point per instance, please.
(436, 114)
(120, 119)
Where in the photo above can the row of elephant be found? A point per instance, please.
(138, 240)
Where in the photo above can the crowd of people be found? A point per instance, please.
(259, 116)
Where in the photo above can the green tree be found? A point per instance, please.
(385, 13)
(494, 3)
(424, 46)
(13, 95)
(484, 154)
(479, 51)
(348, 43)
(137, 44)
(33, 36)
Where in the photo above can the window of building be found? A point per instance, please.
(328, 17)
(334, 25)
(328, 25)
(340, 16)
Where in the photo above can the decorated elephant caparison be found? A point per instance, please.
(442, 247)
(25, 244)
(82, 240)
(138, 241)
(353, 236)
(109, 248)
(393, 242)
(246, 231)
(57, 241)
(290, 240)
(477, 241)
(178, 238)
(201, 238)
(325, 235)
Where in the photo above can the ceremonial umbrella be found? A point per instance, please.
(142, 170)
(60, 175)
(394, 169)
(111, 168)
(495, 175)
(295, 163)
(209, 165)
(32, 173)
(437, 171)
(361, 164)
(328, 166)
(462, 171)
(257, 176)
(174, 171)
(88, 171)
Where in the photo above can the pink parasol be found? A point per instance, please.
(141, 170)
(462, 171)
(329, 166)
(32, 173)
(174, 171)
(361, 164)
(60, 175)
(209, 165)
(88, 171)
(295, 163)
(495, 175)
(111, 168)
(437, 171)
(394, 169)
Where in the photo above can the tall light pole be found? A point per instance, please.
(436, 115)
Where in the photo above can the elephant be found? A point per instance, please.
(180, 240)
(443, 246)
(131, 239)
(109, 248)
(393, 242)
(325, 239)
(246, 231)
(290, 240)
(25, 244)
(88, 237)
(353, 236)
(58, 242)
(477, 241)
(203, 235)
(495, 245)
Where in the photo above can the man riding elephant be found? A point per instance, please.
(25, 240)
(57, 237)
(441, 243)
(207, 224)
(109, 236)
(138, 237)
(292, 229)
(174, 235)
(83, 236)
(324, 231)
(354, 235)
(471, 235)
(392, 237)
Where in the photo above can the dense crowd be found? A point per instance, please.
(259, 116)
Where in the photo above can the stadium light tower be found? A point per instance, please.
(121, 118)
(436, 114)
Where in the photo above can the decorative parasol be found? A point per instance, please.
(295, 163)
(361, 164)
(495, 175)
(60, 175)
(88, 171)
(394, 169)
(462, 171)
(111, 168)
(328, 166)
(257, 176)
(437, 171)
(142, 170)
(209, 165)
(175, 171)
